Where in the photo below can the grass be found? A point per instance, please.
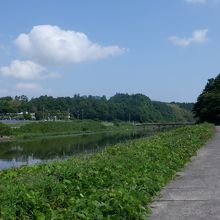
(5, 130)
(118, 183)
(61, 128)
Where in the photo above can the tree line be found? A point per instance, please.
(124, 107)
(207, 107)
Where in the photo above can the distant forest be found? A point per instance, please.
(123, 107)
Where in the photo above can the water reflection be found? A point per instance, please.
(15, 154)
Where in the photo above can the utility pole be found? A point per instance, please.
(68, 114)
(82, 113)
(43, 112)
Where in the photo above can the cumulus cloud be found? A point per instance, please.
(52, 45)
(198, 37)
(26, 70)
(202, 2)
(22, 69)
(196, 1)
(34, 87)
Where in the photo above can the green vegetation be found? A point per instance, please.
(207, 107)
(187, 106)
(5, 130)
(117, 183)
(122, 107)
(173, 112)
(50, 128)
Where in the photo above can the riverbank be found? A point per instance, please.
(5, 138)
(119, 182)
(49, 129)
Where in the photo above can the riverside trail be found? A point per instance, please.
(195, 193)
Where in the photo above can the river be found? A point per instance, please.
(15, 154)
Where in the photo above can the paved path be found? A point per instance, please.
(195, 194)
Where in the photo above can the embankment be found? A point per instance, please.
(117, 183)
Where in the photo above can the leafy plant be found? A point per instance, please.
(118, 183)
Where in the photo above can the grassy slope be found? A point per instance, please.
(118, 183)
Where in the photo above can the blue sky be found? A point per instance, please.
(164, 49)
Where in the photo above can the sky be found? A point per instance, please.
(166, 50)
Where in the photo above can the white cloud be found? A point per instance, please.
(52, 45)
(34, 87)
(198, 37)
(22, 69)
(202, 2)
(196, 1)
(26, 70)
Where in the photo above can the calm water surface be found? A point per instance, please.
(15, 154)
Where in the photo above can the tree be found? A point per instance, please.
(124, 107)
(207, 107)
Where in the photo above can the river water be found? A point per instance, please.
(15, 154)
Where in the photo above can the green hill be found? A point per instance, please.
(123, 107)
(170, 112)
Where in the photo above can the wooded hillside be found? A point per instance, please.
(124, 107)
